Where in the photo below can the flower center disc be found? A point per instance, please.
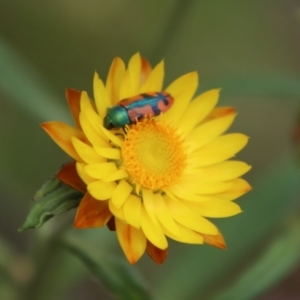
(153, 154)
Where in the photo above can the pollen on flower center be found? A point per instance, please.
(153, 154)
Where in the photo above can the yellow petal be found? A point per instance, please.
(93, 118)
(101, 190)
(152, 231)
(90, 132)
(198, 109)
(134, 68)
(208, 131)
(112, 137)
(223, 171)
(239, 188)
(179, 192)
(163, 215)
(149, 205)
(116, 211)
(114, 78)
(186, 235)
(126, 89)
(132, 210)
(101, 96)
(216, 208)
(195, 186)
(189, 218)
(202, 198)
(183, 90)
(121, 193)
(101, 170)
(62, 134)
(220, 149)
(86, 103)
(80, 167)
(132, 241)
(155, 80)
(116, 176)
(85, 152)
(110, 153)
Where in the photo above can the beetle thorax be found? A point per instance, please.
(116, 117)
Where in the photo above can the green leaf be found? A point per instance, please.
(52, 199)
(275, 263)
(119, 278)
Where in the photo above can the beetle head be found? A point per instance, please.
(116, 117)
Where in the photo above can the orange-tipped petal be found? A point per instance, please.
(132, 241)
(215, 240)
(92, 213)
(219, 112)
(62, 134)
(145, 70)
(73, 97)
(69, 176)
(157, 255)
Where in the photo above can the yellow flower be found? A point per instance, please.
(160, 177)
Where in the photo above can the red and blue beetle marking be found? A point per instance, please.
(129, 110)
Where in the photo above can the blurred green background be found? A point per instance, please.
(249, 48)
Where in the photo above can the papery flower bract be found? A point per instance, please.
(161, 177)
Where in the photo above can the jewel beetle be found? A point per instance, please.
(129, 110)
